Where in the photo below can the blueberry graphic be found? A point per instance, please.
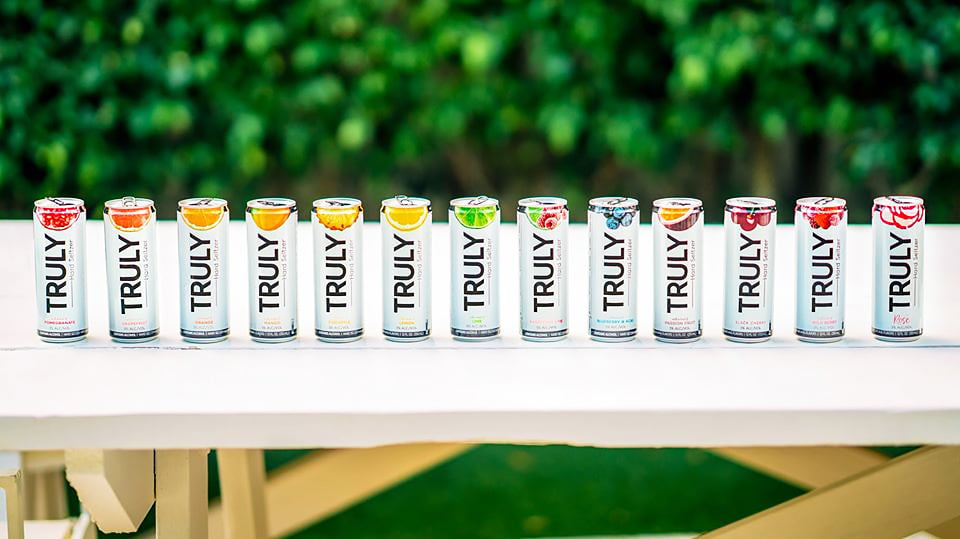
(607, 214)
(612, 223)
(627, 219)
(618, 212)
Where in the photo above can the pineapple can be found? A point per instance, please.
(338, 268)
(130, 242)
(202, 237)
(272, 269)
(898, 223)
(405, 242)
(60, 257)
(677, 284)
(474, 268)
(542, 224)
(612, 226)
(749, 225)
(821, 227)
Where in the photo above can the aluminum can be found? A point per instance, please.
(474, 268)
(542, 224)
(202, 239)
(405, 238)
(338, 269)
(60, 258)
(612, 225)
(821, 224)
(750, 230)
(130, 241)
(898, 223)
(272, 269)
(677, 285)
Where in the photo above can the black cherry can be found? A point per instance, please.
(749, 226)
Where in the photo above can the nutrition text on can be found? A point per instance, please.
(405, 242)
(898, 223)
(612, 226)
(338, 268)
(749, 225)
(202, 236)
(542, 224)
(677, 284)
(272, 268)
(474, 268)
(130, 242)
(821, 226)
(60, 261)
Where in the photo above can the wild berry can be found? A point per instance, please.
(338, 268)
(60, 258)
(474, 268)
(898, 223)
(749, 225)
(272, 263)
(677, 285)
(821, 224)
(130, 236)
(405, 238)
(202, 236)
(612, 225)
(542, 224)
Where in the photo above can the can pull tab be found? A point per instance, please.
(128, 202)
(482, 199)
(403, 200)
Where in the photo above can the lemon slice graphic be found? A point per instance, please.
(405, 218)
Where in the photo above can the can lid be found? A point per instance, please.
(694, 204)
(541, 202)
(403, 201)
(822, 204)
(480, 201)
(59, 203)
(128, 203)
(601, 203)
(898, 200)
(210, 203)
(336, 203)
(272, 204)
(751, 204)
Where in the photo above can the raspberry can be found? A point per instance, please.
(898, 223)
(405, 239)
(202, 237)
(272, 269)
(749, 225)
(60, 258)
(542, 224)
(474, 268)
(612, 226)
(130, 236)
(338, 269)
(677, 285)
(821, 224)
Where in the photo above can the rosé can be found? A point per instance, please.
(542, 224)
(677, 285)
(130, 236)
(272, 269)
(202, 237)
(749, 225)
(60, 258)
(821, 224)
(405, 239)
(898, 223)
(338, 268)
(474, 268)
(612, 226)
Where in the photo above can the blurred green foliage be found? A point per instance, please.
(243, 98)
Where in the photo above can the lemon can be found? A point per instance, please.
(130, 243)
(677, 285)
(337, 268)
(272, 269)
(544, 255)
(474, 268)
(405, 243)
(202, 238)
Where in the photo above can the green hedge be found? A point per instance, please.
(436, 97)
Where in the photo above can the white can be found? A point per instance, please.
(130, 241)
(750, 230)
(405, 238)
(202, 235)
(338, 268)
(474, 268)
(612, 224)
(821, 224)
(677, 285)
(542, 224)
(60, 261)
(272, 269)
(898, 223)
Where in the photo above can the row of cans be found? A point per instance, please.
(749, 225)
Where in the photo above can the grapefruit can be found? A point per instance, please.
(405, 243)
(750, 231)
(612, 225)
(474, 268)
(338, 268)
(272, 269)
(898, 223)
(202, 240)
(60, 258)
(821, 224)
(677, 285)
(130, 238)
(542, 224)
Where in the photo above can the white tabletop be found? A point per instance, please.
(169, 394)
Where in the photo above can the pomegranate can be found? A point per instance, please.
(60, 257)
(749, 225)
(338, 268)
(677, 285)
(272, 269)
(542, 223)
(202, 238)
(612, 226)
(474, 268)
(898, 223)
(821, 225)
(405, 242)
(130, 237)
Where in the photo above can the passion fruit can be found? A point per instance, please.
(405, 238)
(821, 224)
(749, 225)
(272, 269)
(338, 269)
(677, 284)
(474, 268)
(60, 258)
(544, 252)
(898, 223)
(130, 237)
(202, 240)
(612, 225)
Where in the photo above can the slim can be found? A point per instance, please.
(898, 223)
(202, 239)
(749, 225)
(338, 269)
(405, 238)
(821, 224)
(60, 258)
(677, 247)
(474, 268)
(272, 269)
(130, 237)
(612, 225)
(542, 224)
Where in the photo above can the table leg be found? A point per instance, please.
(182, 494)
(12, 484)
(242, 478)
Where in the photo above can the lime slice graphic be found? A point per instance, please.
(475, 217)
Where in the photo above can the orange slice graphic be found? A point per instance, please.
(269, 219)
(202, 218)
